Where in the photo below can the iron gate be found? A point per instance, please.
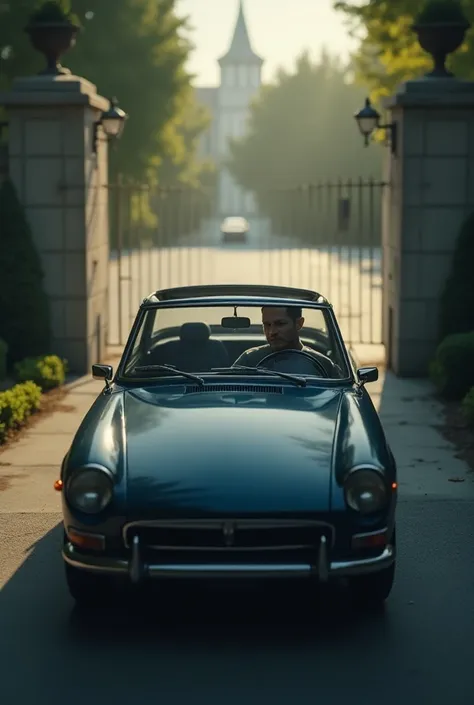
(325, 236)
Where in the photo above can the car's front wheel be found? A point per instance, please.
(88, 589)
(373, 589)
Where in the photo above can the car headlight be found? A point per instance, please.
(90, 490)
(366, 491)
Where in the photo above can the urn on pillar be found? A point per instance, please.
(53, 30)
(441, 27)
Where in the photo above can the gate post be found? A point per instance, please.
(431, 192)
(60, 173)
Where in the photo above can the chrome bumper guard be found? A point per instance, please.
(138, 570)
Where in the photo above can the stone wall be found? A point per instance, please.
(431, 194)
(62, 183)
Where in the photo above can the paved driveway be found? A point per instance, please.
(349, 277)
(240, 649)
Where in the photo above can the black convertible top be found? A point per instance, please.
(244, 290)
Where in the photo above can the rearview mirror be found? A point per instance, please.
(367, 374)
(235, 322)
(105, 372)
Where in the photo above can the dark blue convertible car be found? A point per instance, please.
(234, 440)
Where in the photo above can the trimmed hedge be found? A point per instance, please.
(48, 371)
(452, 370)
(468, 407)
(16, 406)
(3, 359)
(35, 376)
(24, 306)
(456, 313)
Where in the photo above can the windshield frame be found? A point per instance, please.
(141, 324)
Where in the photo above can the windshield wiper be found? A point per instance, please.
(301, 381)
(169, 368)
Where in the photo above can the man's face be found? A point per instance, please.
(281, 331)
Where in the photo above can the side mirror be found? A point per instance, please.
(367, 374)
(105, 372)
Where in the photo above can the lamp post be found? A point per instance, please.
(112, 122)
(368, 121)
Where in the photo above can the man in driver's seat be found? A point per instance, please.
(282, 330)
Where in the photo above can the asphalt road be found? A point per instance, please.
(245, 648)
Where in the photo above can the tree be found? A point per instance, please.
(180, 194)
(186, 191)
(17, 58)
(301, 131)
(24, 306)
(133, 49)
(308, 114)
(180, 164)
(388, 52)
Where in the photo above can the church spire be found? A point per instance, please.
(241, 51)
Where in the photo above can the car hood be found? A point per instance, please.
(229, 453)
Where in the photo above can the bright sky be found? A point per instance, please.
(279, 30)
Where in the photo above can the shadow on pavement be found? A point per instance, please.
(184, 646)
(249, 647)
(255, 621)
(37, 595)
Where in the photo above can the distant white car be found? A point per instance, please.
(235, 229)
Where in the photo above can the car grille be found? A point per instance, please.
(236, 539)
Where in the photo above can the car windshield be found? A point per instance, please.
(237, 340)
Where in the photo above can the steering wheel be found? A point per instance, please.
(314, 361)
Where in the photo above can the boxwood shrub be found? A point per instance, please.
(3, 359)
(16, 406)
(456, 312)
(48, 371)
(24, 306)
(452, 370)
(468, 407)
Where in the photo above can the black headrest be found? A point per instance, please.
(195, 332)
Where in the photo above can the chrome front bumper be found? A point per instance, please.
(137, 570)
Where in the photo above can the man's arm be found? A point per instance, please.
(250, 357)
(332, 367)
(242, 359)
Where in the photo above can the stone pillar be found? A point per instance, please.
(62, 184)
(431, 193)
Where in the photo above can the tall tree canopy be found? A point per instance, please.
(301, 131)
(389, 52)
(182, 137)
(135, 50)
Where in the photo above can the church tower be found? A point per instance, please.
(241, 73)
